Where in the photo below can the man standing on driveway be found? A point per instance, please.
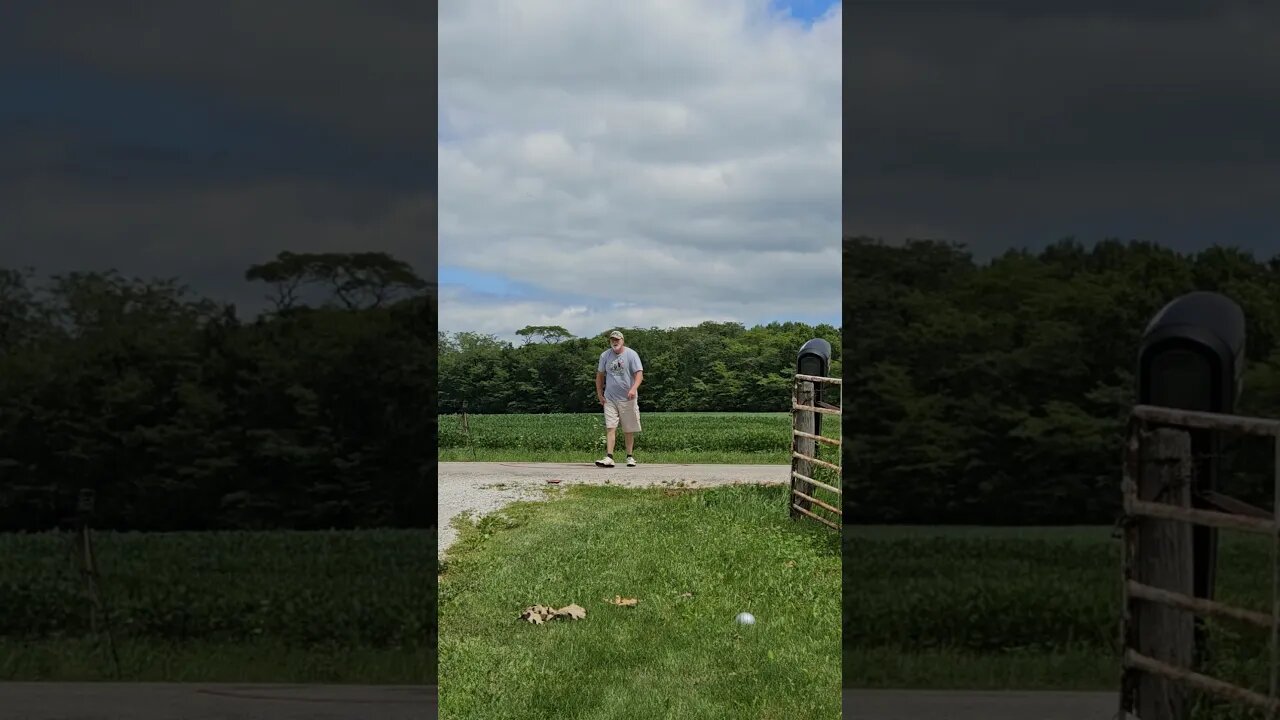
(618, 378)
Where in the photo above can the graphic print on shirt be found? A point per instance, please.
(617, 367)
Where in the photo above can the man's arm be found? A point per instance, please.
(637, 377)
(600, 386)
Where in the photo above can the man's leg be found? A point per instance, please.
(610, 434)
(631, 426)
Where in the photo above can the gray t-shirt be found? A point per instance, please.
(619, 372)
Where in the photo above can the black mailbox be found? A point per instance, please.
(1192, 358)
(815, 359)
(1192, 355)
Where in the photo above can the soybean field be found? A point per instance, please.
(1026, 608)
(340, 606)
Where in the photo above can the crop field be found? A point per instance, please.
(1029, 608)
(667, 437)
(341, 606)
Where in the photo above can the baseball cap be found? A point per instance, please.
(615, 335)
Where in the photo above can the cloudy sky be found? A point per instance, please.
(193, 139)
(641, 163)
(1012, 124)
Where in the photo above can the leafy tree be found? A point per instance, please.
(181, 416)
(996, 393)
(543, 333)
(355, 280)
(710, 367)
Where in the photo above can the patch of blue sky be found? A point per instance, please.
(496, 287)
(804, 11)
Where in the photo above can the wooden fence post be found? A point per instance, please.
(1164, 560)
(804, 445)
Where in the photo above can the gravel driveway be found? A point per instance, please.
(483, 487)
(971, 705)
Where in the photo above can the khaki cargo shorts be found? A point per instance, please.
(624, 412)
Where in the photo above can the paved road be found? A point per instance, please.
(968, 705)
(212, 701)
(483, 487)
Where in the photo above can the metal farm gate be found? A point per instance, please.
(810, 496)
(1161, 630)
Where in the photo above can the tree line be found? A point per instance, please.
(997, 392)
(713, 367)
(179, 414)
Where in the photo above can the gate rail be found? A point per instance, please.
(1240, 517)
(804, 450)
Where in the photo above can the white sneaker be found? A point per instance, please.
(606, 462)
(631, 462)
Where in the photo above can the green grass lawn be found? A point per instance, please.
(1016, 608)
(693, 559)
(730, 438)
(334, 607)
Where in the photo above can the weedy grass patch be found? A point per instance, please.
(692, 560)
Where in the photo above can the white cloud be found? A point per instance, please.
(671, 161)
(481, 314)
